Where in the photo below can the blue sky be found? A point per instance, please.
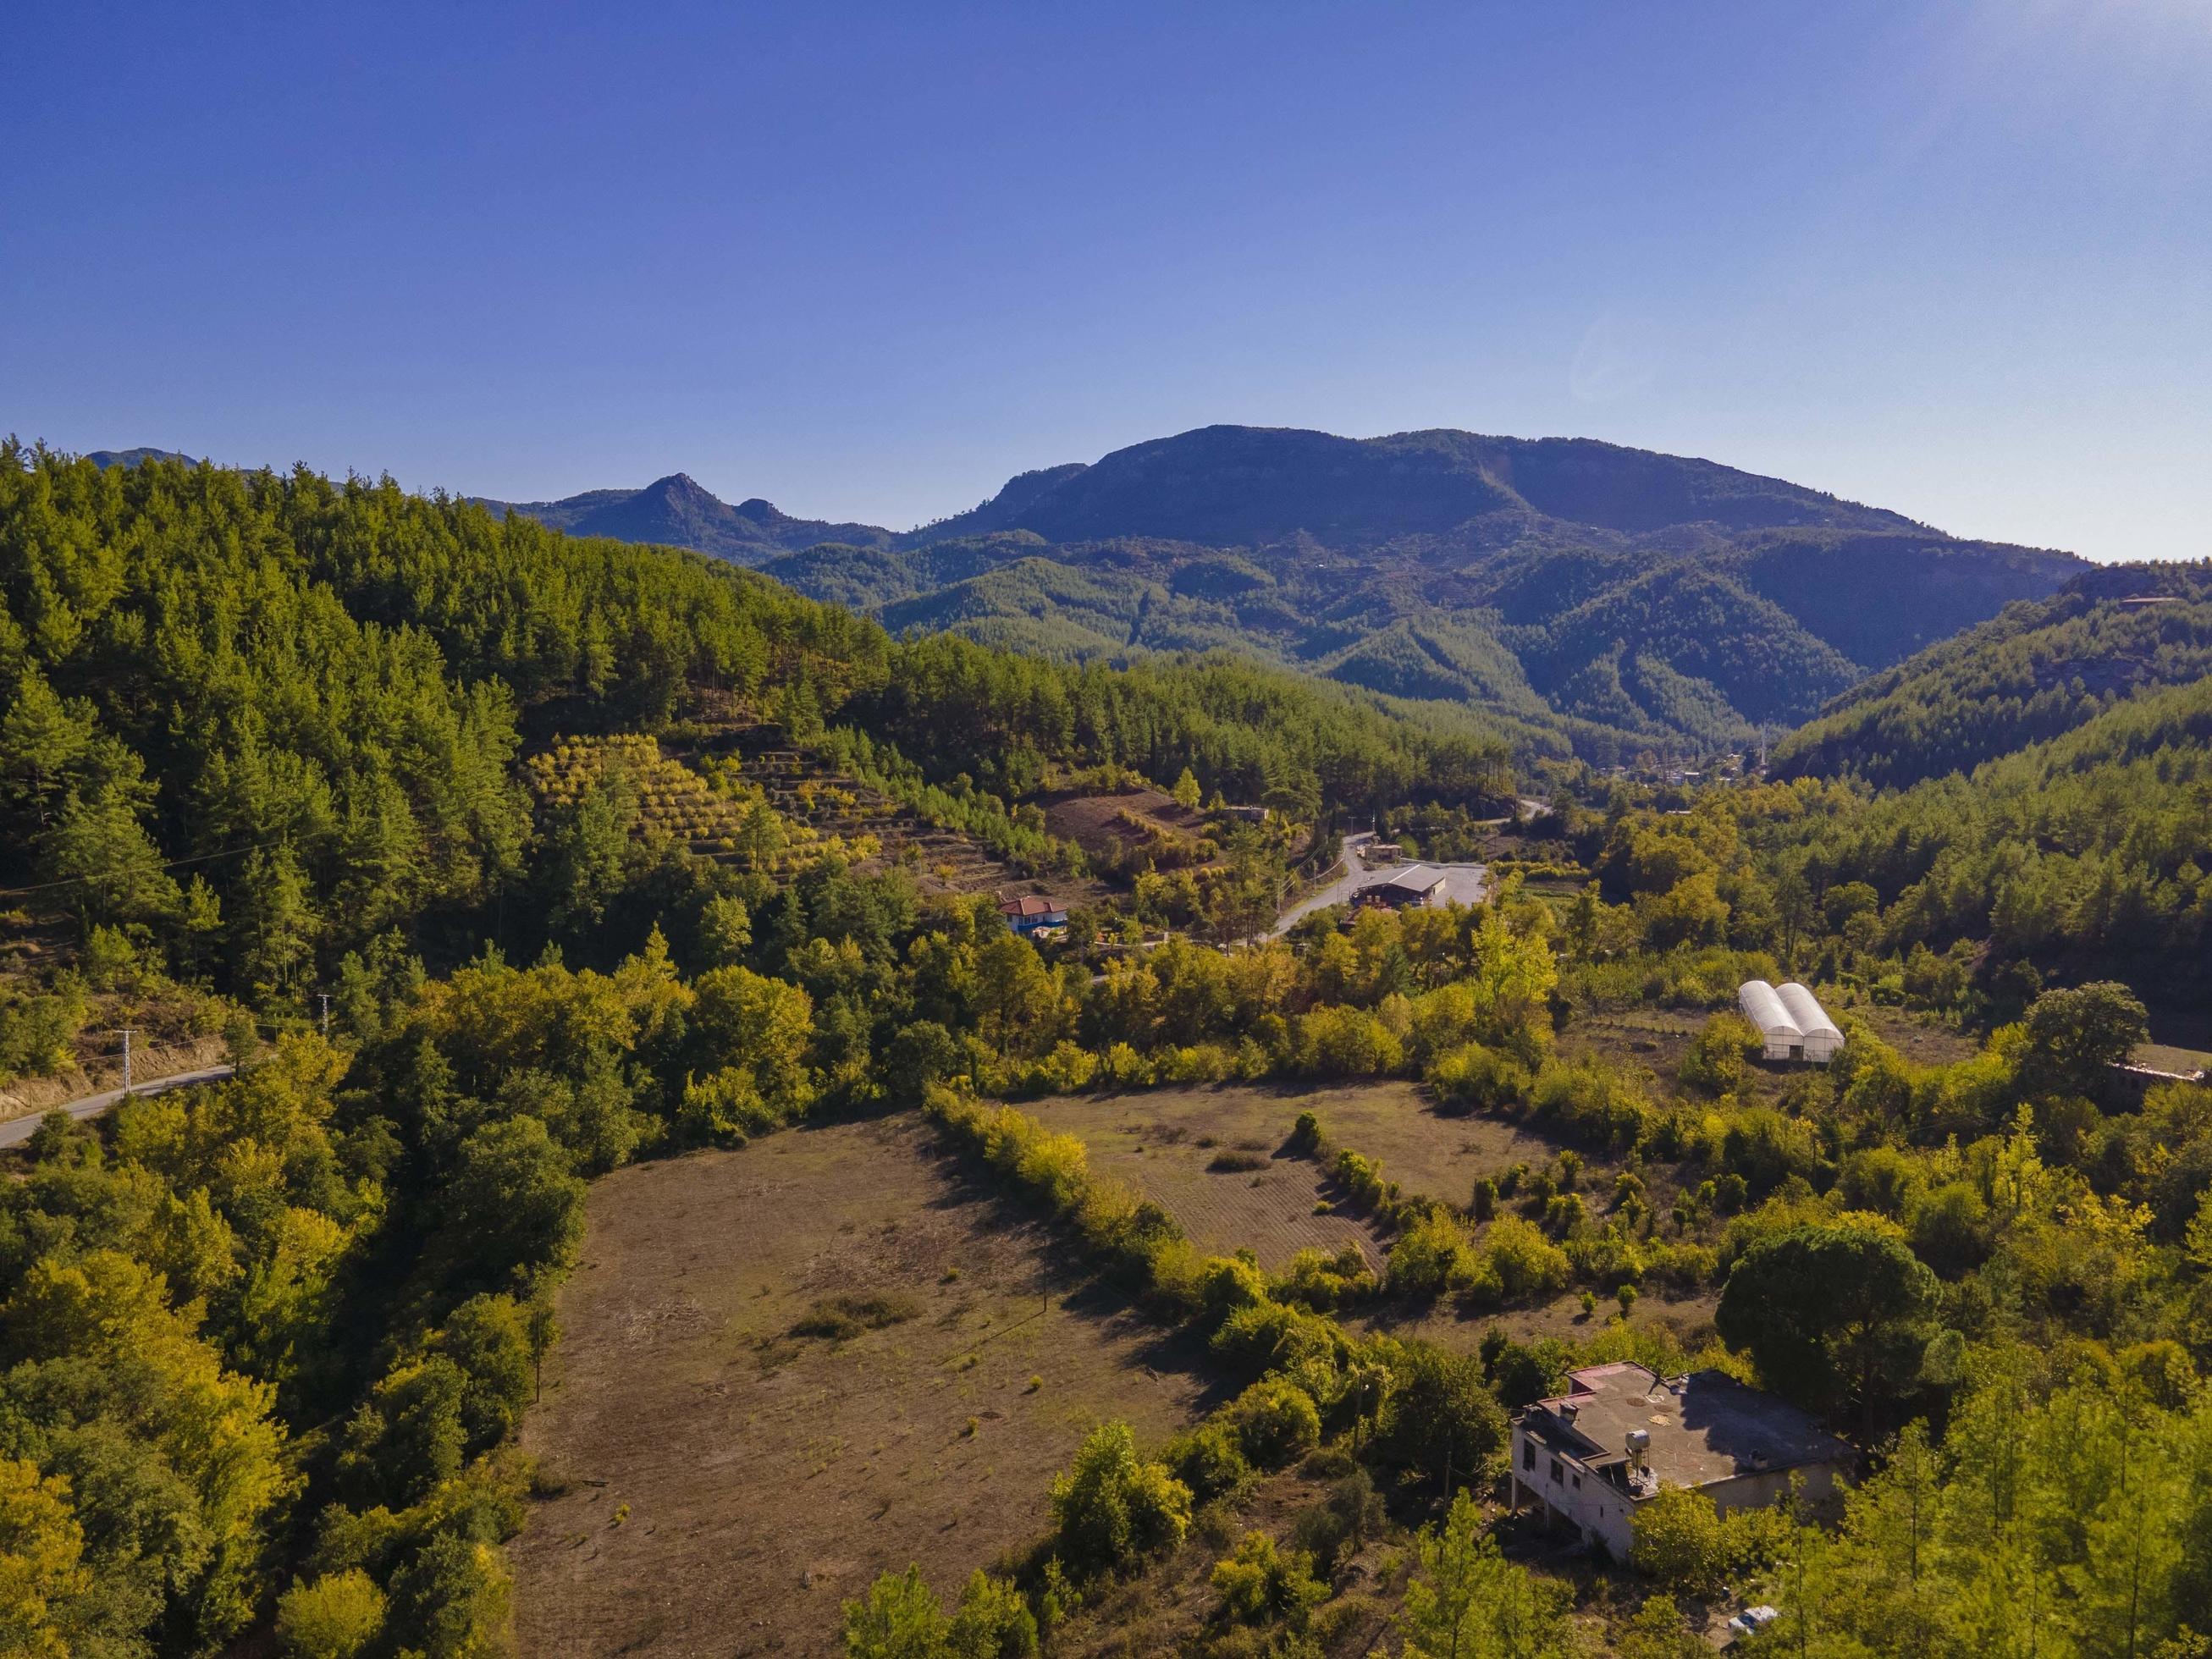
(1951, 258)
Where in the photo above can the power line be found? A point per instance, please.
(171, 864)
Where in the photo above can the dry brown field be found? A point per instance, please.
(723, 1483)
(1165, 1141)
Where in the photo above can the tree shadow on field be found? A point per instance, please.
(1054, 1266)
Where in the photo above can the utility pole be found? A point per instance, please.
(325, 997)
(126, 1031)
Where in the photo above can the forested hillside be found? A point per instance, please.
(1608, 598)
(2085, 857)
(2035, 671)
(282, 713)
(265, 1346)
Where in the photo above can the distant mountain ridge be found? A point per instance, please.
(680, 512)
(1234, 486)
(1585, 594)
(104, 458)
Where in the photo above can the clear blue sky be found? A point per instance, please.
(1953, 258)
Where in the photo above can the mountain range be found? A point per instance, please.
(1586, 595)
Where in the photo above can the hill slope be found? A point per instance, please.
(1628, 597)
(2030, 674)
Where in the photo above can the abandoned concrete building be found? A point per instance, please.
(1620, 1432)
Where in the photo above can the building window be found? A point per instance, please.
(1555, 1472)
(1578, 1483)
(1528, 1454)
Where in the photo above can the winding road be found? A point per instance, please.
(17, 1130)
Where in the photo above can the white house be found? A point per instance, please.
(1620, 1432)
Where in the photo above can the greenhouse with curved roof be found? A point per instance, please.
(1792, 1024)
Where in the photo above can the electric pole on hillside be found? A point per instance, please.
(325, 997)
(126, 1034)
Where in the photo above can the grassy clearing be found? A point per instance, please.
(799, 1366)
(1212, 1157)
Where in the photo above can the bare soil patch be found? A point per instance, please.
(787, 1369)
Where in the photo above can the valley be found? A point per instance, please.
(731, 1128)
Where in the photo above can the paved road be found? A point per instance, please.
(1464, 884)
(16, 1131)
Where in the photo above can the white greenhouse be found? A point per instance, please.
(1822, 1039)
(1792, 1025)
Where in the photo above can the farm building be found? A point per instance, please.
(1790, 1021)
(1032, 911)
(1416, 885)
(1590, 1456)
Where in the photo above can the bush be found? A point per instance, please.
(1340, 1042)
(1275, 1420)
(1209, 1458)
(1430, 1258)
(1270, 1335)
(839, 1318)
(1362, 1178)
(1113, 1508)
(993, 1621)
(1720, 1057)
(1474, 1079)
(1590, 1103)
(1323, 1282)
(336, 1616)
(1527, 1263)
(1262, 1585)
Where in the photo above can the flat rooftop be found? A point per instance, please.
(1705, 1427)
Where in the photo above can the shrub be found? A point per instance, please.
(1345, 1042)
(1720, 1056)
(1209, 1458)
(1679, 1539)
(1593, 1104)
(1228, 1283)
(993, 1621)
(839, 1318)
(1527, 1263)
(1361, 1177)
(1125, 1069)
(336, 1616)
(1112, 1509)
(1269, 1336)
(1474, 1079)
(1260, 1584)
(1275, 1420)
(1067, 1069)
(1430, 1258)
(1323, 1282)
(1236, 1162)
(1441, 1415)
